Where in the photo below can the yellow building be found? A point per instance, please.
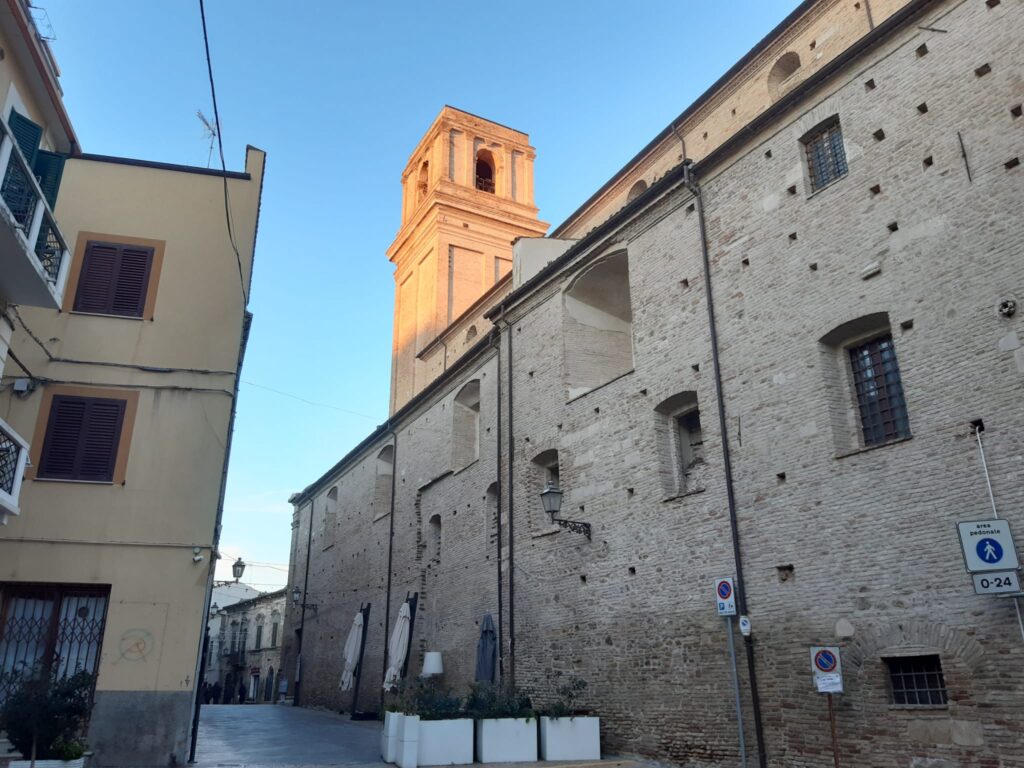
(121, 383)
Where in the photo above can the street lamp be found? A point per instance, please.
(238, 568)
(551, 498)
(298, 600)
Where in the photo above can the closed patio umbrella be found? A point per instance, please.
(486, 648)
(398, 647)
(353, 647)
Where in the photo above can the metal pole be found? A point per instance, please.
(736, 691)
(832, 726)
(995, 512)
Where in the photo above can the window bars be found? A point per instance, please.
(876, 379)
(917, 681)
(826, 158)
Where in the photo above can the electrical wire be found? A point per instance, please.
(223, 164)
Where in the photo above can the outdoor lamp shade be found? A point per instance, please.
(432, 663)
(238, 568)
(551, 498)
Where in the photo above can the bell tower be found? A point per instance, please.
(467, 195)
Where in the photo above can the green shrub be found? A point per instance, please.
(494, 700)
(566, 701)
(45, 715)
(424, 697)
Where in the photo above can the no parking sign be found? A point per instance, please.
(827, 668)
(725, 597)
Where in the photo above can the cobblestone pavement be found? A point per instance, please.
(254, 736)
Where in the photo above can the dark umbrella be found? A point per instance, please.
(486, 649)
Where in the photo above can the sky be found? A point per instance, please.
(339, 93)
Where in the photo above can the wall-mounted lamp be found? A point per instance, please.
(297, 599)
(551, 498)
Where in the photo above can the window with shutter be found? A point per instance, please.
(82, 438)
(27, 134)
(114, 279)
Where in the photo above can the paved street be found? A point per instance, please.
(268, 735)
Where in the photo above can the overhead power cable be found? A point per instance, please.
(223, 164)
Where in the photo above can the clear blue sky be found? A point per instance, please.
(338, 94)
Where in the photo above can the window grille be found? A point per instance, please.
(876, 378)
(826, 158)
(917, 681)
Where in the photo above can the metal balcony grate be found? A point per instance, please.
(9, 454)
(50, 249)
(19, 193)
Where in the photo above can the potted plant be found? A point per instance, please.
(566, 732)
(44, 718)
(445, 733)
(397, 706)
(505, 723)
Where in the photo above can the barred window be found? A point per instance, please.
(826, 158)
(917, 681)
(876, 378)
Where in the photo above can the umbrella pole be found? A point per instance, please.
(413, 602)
(359, 667)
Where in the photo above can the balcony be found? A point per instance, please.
(13, 457)
(34, 258)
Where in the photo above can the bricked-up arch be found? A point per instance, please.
(680, 444)
(466, 426)
(423, 181)
(434, 540)
(385, 467)
(780, 78)
(636, 190)
(597, 325)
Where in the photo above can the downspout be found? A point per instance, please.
(501, 637)
(391, 549)
(302, 617)
(741, 590)
(243, 342)
(511, 517)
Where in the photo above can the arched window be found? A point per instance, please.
(681, 444)
(597, 325)
(636, 190)
(260, 619)
(330, 511)
(385, 467)
(491, 507)
(545, 471)
(485, 171)
(423, 181)
(780, 78)
(471, 333)
(466, 426)
(275, 627)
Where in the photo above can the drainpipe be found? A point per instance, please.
(741, 592)
(243, 342)
(511, 517)
(391, 550)
(302, 618)
(501, 636)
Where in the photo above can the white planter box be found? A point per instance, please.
(506, 740)
(79, 763)
(570, 738)
(446, 742)
(407, 746)
(389, 736)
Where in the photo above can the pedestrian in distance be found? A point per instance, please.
(215, 693)
(241, 692)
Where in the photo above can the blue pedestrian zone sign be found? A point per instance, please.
(987, 546)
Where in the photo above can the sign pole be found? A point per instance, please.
(736, 690)
(832, 726)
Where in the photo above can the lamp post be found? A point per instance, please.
(237, 569)
(299, 600)
(551, 498)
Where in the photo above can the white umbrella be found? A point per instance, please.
(353, 645)
(398, 647)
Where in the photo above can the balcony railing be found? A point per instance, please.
(13, 457)
(30, 215)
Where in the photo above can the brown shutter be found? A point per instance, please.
(114, 279)
(82, 437)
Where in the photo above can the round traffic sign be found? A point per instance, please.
(825, 660)
(989, 550)
(724, 590)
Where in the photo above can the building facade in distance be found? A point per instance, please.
(248, 646)
(779, 363)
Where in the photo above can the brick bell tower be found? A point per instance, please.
(467, 194)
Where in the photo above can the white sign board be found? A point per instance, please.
(996, 583)
(827, 668)
(725, 597)
(987, 546)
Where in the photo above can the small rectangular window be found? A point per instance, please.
(82, 437)
(273, 635)
(114, 279)
(876, 379)
(826, 157)
(259, 636)
(917, 681)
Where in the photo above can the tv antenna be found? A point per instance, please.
(209, 132)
